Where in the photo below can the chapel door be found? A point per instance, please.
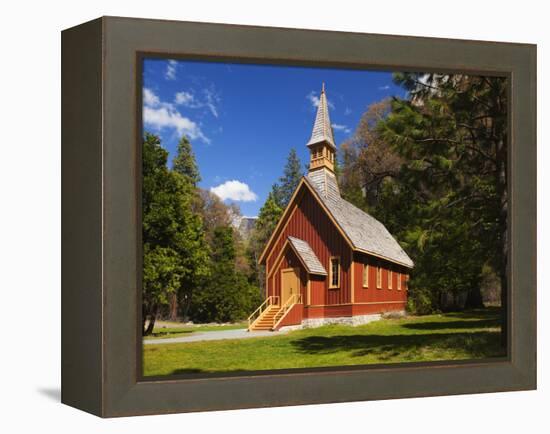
(290, 283)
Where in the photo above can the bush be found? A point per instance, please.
(420, 301)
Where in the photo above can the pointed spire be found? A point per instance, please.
(322, 129)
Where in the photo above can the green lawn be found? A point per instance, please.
(453, 336)
(174, 331)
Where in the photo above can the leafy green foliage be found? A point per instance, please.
(227, 295)
(193, 261)
(175, 253)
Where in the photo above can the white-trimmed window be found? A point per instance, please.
(334, 275)
(390, 279)
(365, 275)
(379, 277)
(399, 277)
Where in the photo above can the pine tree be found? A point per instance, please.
(227, 295)
(448, 201)
(292, 174)
(268, 217)
(184, 162)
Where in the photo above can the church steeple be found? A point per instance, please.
(321, 144)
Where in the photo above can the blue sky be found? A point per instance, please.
(242, 119)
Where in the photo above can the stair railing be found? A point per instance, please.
(289, 304)
(268, 302)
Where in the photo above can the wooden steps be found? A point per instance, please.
(265, 321)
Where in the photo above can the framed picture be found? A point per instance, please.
(261, 217)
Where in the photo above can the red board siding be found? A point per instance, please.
(317, 290)
(310, 223)
(372, 293)
(347, 310)
(293, 317)
(328, 311)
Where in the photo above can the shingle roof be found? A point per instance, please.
(322, 128)
(307, 256)
(364, 231)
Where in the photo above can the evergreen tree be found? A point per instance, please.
(175, 254)
(227, 295)
(292, 174)
(184, 162)
(449, 202)
(269, 216)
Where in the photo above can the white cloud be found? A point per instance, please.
(313, 98)
(347, 111)
(234, 190)
(149, 98)
(170, 73)
(160, 115)
(386, 87)
(339, 127)
(212, 100)
(184, 98)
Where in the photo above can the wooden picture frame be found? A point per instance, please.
(101, 346)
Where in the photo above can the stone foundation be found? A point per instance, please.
(346, 320)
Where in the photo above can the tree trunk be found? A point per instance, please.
(474, 300)
(173, 314)
(151, 325)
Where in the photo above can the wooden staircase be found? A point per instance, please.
(266, 320)
(270, 313)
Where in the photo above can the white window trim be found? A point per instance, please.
(379, 277)
(330, 285)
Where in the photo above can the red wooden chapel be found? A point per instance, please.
(327, 261)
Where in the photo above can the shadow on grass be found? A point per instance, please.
(485, 313)
(186, 371)
(386, 347)
(460, 325)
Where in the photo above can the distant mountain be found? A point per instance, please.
(246, 225)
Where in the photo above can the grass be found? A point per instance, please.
(453, 336)
(174, 331)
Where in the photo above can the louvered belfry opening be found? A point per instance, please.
(321, 144)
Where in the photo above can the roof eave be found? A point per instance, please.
(394, 261)
(320, 142)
